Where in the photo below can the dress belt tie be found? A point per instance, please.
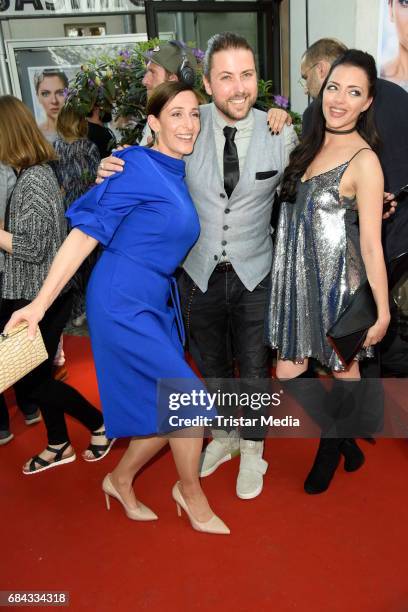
(174, 292)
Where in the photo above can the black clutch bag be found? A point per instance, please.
(348, 333)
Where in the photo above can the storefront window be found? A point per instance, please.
(62, 57)
(199, 27)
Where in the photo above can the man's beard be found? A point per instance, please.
(228, 109)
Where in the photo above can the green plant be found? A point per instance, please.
(115, 84)
(266, 100)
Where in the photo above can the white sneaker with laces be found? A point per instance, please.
(223, 447)
(251, 469)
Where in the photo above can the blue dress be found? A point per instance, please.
(146, 221)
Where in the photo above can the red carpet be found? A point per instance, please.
(343, 550)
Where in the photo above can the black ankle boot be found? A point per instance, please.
(353, 455)
(324, 466)
(311, 395)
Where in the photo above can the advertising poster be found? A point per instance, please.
(47, 85)
(393, 42)
(41, 73)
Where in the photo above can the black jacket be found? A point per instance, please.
(103, 137)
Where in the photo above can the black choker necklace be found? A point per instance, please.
(331, 131)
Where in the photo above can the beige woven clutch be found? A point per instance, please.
(19, 355)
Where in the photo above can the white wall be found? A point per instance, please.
(367, 25)
(354, 22)
(20, 29)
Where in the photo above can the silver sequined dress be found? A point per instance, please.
(317, 267)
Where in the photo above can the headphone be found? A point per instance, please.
(185, 73)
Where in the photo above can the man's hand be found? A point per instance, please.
(110, 165)
(277, 118)
(107, 167)
(389, 205)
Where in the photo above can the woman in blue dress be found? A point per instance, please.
(146, 222)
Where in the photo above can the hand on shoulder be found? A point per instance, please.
(109, 165)
(277, 119)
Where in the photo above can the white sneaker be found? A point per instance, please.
(251, 469)
(222, 448)
(5, 437)
(34, 417)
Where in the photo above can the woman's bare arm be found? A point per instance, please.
(369, 184)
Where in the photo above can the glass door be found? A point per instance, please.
(257, 21)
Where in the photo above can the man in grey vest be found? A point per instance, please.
(232, 176)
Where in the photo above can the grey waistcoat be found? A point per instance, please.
(240, 226)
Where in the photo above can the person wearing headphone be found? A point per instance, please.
(170, 62)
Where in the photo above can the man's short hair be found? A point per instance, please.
(223, 42)
(328, 49)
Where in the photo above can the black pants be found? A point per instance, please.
(54, 397)
(394, 347)
(224, 322)
(26, 407)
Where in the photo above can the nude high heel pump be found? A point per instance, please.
(213, 525)
(141, 513)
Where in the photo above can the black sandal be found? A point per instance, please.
(99, 451)
(38, 464)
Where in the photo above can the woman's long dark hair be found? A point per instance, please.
(303, 155)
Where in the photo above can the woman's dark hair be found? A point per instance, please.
(224, 41)
(302, 156)
(165, 93)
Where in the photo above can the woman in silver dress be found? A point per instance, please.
(329, 242)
